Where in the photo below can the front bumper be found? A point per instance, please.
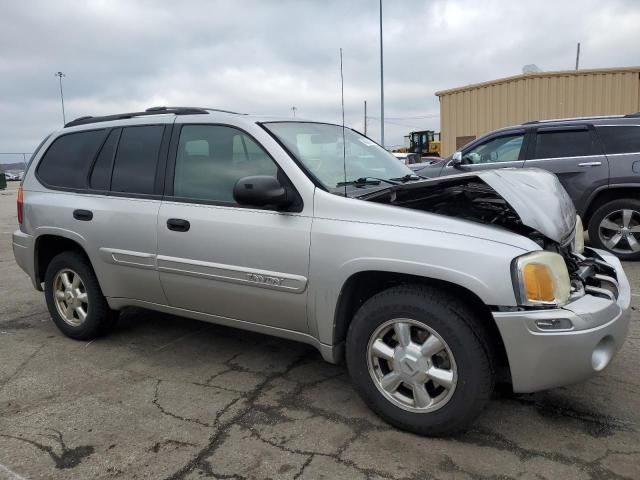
(23, 251)
(541, 359)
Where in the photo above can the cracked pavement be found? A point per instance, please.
(171, 398)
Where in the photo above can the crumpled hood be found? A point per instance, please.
(538, 198)
(534, 195)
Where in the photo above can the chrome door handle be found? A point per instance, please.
(590, 164)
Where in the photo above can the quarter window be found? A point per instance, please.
(622, 139)
(500, 149)
(136, 160)
(67, 161)
(563, 143)
(212, 158)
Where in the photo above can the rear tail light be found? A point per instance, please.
(20, 203)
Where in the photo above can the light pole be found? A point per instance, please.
(293, 109)
(381, 84)
(60, 75)
(365, 118)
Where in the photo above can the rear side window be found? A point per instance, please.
(101, 174)
(563, 143)
(622, 139)
(67, 161)
(136, 160)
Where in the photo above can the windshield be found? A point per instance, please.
(320, 148)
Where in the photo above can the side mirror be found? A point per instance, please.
(456, 160)
(261, 190)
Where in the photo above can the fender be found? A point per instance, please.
(63, 233)
(325, 292)
(604, 188)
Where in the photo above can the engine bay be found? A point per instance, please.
(468, 199)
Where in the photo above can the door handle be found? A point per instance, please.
(590, 164)
(84, 215)
(178, 225)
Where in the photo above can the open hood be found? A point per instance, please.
(522, 200)
(537, 196)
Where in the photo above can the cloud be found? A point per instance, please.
(266, 56)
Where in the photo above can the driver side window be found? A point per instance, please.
(212, 158)
(496, 150)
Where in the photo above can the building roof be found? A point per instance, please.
(562, 73)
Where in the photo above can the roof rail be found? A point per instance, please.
(632, 115)
(568, 119)
(149, 111)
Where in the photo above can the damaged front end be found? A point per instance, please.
(529, 202)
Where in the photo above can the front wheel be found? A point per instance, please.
(420, 359)
(615, 227)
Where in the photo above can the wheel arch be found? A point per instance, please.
(50, 244)
(609, 194)
(361, 286)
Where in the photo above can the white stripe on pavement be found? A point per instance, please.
(9, 474)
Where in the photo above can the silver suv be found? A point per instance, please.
(433, 290)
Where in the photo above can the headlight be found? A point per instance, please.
(578, 239)
(542, 279)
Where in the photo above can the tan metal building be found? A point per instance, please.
(473, 110)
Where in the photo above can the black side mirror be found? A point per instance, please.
(261, 190)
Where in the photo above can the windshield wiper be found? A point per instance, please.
(407, 178)
(362, 181)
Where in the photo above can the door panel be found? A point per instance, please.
(124, 231)
(621, 144)
(120, 239)
(240, 263)
(217, 257)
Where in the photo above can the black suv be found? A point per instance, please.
(597, 159)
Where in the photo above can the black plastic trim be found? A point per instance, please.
(152, 111)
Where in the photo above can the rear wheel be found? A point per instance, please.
(420, 359)
(74, 298)
(615, 227)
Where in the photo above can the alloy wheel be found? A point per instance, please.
(70, 297)
(412, 365)
(618, 231)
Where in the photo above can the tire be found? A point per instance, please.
(448, 319)
(613, 212)
(99, 319)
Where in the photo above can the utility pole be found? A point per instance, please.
(365, 118)
(381, 84)
(293, 109)
(578, 57)
(60, 75)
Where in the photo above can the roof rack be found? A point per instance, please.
(149, 111)
(594, 117)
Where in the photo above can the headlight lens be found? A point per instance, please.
(578, 239)
(542, 279)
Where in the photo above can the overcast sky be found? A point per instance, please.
(266, 56)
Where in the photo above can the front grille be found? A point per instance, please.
(591, 275)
